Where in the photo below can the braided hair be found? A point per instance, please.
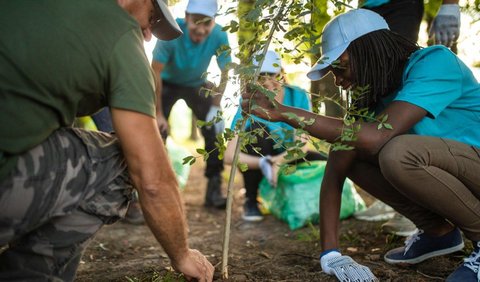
(377, 60)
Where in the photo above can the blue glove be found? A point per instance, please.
(345, 268)
(445, 28)
(265, 164)
(212, 113)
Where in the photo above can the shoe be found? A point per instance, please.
(251, 212)
(134, 214)
(421, 246)
(213, 196)
(377, 211)
(399, 225)
(469, 271)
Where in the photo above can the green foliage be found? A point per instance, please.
(155, 276)
(294, 26)
(312, 234)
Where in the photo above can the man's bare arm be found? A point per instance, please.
(153, 177)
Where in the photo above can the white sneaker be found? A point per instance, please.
(399, 225)
(378, 211)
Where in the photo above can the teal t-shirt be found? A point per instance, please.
(295, 97)
(62, 59)
(185, 62)
(372, 3)
(436, 80)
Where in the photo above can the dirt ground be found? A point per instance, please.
(265, 251)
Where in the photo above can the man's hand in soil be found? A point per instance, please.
(345, 268)
(195, 266)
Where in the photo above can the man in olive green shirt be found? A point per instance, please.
(59, 185)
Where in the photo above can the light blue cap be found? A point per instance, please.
(203, 7)
(271, 64)
(339, 32)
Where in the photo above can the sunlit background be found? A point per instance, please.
(180, 119)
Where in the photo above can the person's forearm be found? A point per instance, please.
(159, 208)
(338, 164)
(154, 179)
(323, 127)
(330, 201)
(161, 204)
(250, 160)
(220, 89)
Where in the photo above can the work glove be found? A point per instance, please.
(265, 164)
(446, 25)
(219, 125)
(345, 268)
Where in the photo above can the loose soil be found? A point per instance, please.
(265, 251)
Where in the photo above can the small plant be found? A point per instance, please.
(155, 276)
(392, 241)
(350, 237)
(312, 234)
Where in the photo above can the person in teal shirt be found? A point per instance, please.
(266, 161)
(423, 160)
(180, 67)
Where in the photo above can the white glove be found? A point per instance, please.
(345, 268)
(446, 25)
(265, 164)
(212, 113)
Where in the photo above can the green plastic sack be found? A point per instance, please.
(295, 200)
(85, 122)
(176, 154)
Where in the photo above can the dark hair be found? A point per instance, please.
(377, 60)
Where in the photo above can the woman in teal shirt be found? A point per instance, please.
(426, 164)
(266, 161)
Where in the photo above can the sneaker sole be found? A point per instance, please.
(252, 218)
(380, 217)
(426, 256)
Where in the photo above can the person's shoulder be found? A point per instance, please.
(431, 52)
(295, 90)
(436, 57)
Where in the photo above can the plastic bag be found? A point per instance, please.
(85, 122)
(296, 198)
(176, 154)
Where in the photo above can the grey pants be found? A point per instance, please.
(429, 180)
(58, 196)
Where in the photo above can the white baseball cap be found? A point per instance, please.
(207, 8)
(165, 28)
(271, 64)
(339, 32)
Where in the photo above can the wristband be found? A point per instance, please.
(328, 251)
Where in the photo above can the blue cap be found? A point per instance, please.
(339, 32)
(202, 7)
(271, 64)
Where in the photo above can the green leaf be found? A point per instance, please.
(254, 14)
(388, 126)
(188, 160)
(243, 167)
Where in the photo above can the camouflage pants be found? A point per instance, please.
(58, 196)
